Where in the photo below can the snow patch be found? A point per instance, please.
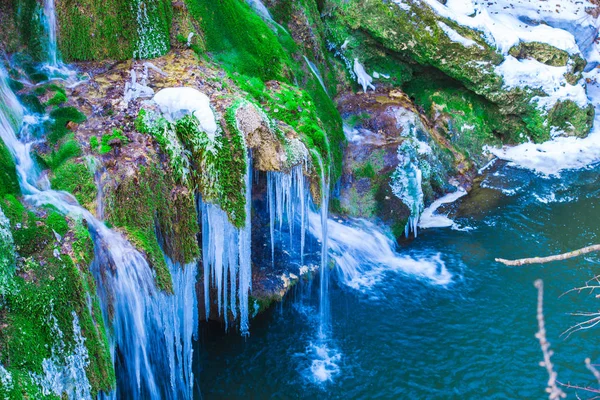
(457, 37)
(535, 75)
(177, 102)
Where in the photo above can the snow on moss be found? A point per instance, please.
(536, 75)
(177, 102)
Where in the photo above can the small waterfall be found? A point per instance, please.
(316, 73)
(364, 253)
(324, 321)
(7, 254)
(227, 259)
(151, 332)
(261, 10)
(152, 40)
(50, 22)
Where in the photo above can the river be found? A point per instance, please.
(408, 337)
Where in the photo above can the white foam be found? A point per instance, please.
(364, 253)
(325, 361)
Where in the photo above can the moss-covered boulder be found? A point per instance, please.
(416, 37)
(98, 30)
(49, 308)
(389, 143)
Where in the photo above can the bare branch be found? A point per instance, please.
(592, 368)
(543, 260)
(587, 389)
(554, 392)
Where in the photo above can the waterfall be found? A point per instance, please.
(363, 253)
(227, 259)
(7, 255)
(151, 332)
(324, 292)
(50, 22)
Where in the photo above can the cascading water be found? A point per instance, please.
(316, 73)
(50, 22)
(66, 374)
(151, 332)
(227, 260)
(363, 253)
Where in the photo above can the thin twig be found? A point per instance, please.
(554, 392)
(543, 260)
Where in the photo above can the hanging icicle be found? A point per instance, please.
(288, 202)
(227, 260)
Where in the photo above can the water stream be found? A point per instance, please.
(151, 332)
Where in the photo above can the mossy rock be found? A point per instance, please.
(9, 182)
(541, 52)
(99, 30)
(51, 285)
(416, 36)
(155, 216)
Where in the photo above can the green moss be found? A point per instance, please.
(57, 223)
(570, 118)
(60, 117)
(145, 204)
(9, 183)
(365, 171)
(68, 148)
(94, 143)
(98, 30)
(296, 108)
(48, 290)
(541, 52)
(28, 237)
(240, 39)
(111, 139)
(470, 120)
(32, 34)
(58, 99)
(75, 178)
(32, 103)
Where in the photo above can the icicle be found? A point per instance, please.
(227, 258)
(363, 79)
(271, 205)
(245, 244)
(287, 202)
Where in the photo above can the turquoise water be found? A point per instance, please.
(408, 338)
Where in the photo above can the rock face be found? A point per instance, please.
(420, 34)
(387, 137)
